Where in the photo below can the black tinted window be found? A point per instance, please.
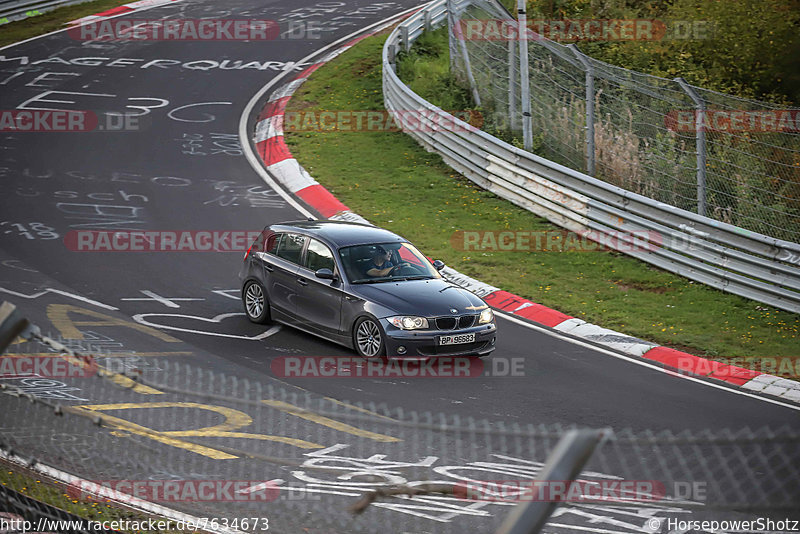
(318, 256)
(291, 247)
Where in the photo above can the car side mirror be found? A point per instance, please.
(438, 265)
(326, 274)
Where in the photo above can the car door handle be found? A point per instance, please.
(269, 268)
(302, 282)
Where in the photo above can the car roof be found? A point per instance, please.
(340, 233)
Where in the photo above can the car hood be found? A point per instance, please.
(427, 298)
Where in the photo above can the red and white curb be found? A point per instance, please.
(272, 150)
(121, 10)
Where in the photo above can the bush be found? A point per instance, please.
(751, 50)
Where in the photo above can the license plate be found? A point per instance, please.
(457, 339)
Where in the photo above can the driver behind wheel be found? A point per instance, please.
(380, 265)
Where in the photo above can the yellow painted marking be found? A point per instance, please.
(234, 420)
(59, 316)
(133, 428)
(359, 409)
(120, 380)
(124, 381)
(331, 423)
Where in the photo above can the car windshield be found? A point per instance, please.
(385, 262)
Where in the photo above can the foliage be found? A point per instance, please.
(749, 49)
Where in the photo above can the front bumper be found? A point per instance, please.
(425, 343)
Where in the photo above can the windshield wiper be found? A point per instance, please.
(373, 280)
(417, 277)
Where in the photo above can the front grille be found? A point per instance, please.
(451, 323)
(445, 323)
(466, 321)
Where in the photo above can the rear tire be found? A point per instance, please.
(256, 306)
(368, 339)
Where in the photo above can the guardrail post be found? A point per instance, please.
(564, 464)
(590, 152)
(700, 143)
(404, 38)
(428, 23)
(527, 124)
(392, 56)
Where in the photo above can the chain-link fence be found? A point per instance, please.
(24, 508)
(229, 448)
(734, 160)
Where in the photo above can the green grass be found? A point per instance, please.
(426, 70)
(56, 494)
(393, 182)
(51, 20)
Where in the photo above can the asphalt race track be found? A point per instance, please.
(183, 169)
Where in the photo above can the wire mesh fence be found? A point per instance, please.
(23, 508)
(731, 159)
(228, 448)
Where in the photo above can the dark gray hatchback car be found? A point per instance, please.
(363, 287)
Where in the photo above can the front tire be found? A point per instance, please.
(368, 339)
(256, 306)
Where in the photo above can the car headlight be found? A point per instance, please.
(487, 316)
(409, 322)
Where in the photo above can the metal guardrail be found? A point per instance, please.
(715, 253)
(11, 10)
(662, 138)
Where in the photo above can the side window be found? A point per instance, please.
(318, 256)
(291, 247)
(271, 243)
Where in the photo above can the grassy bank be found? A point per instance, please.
(63, 497)
(388, 178)
(50, 21)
